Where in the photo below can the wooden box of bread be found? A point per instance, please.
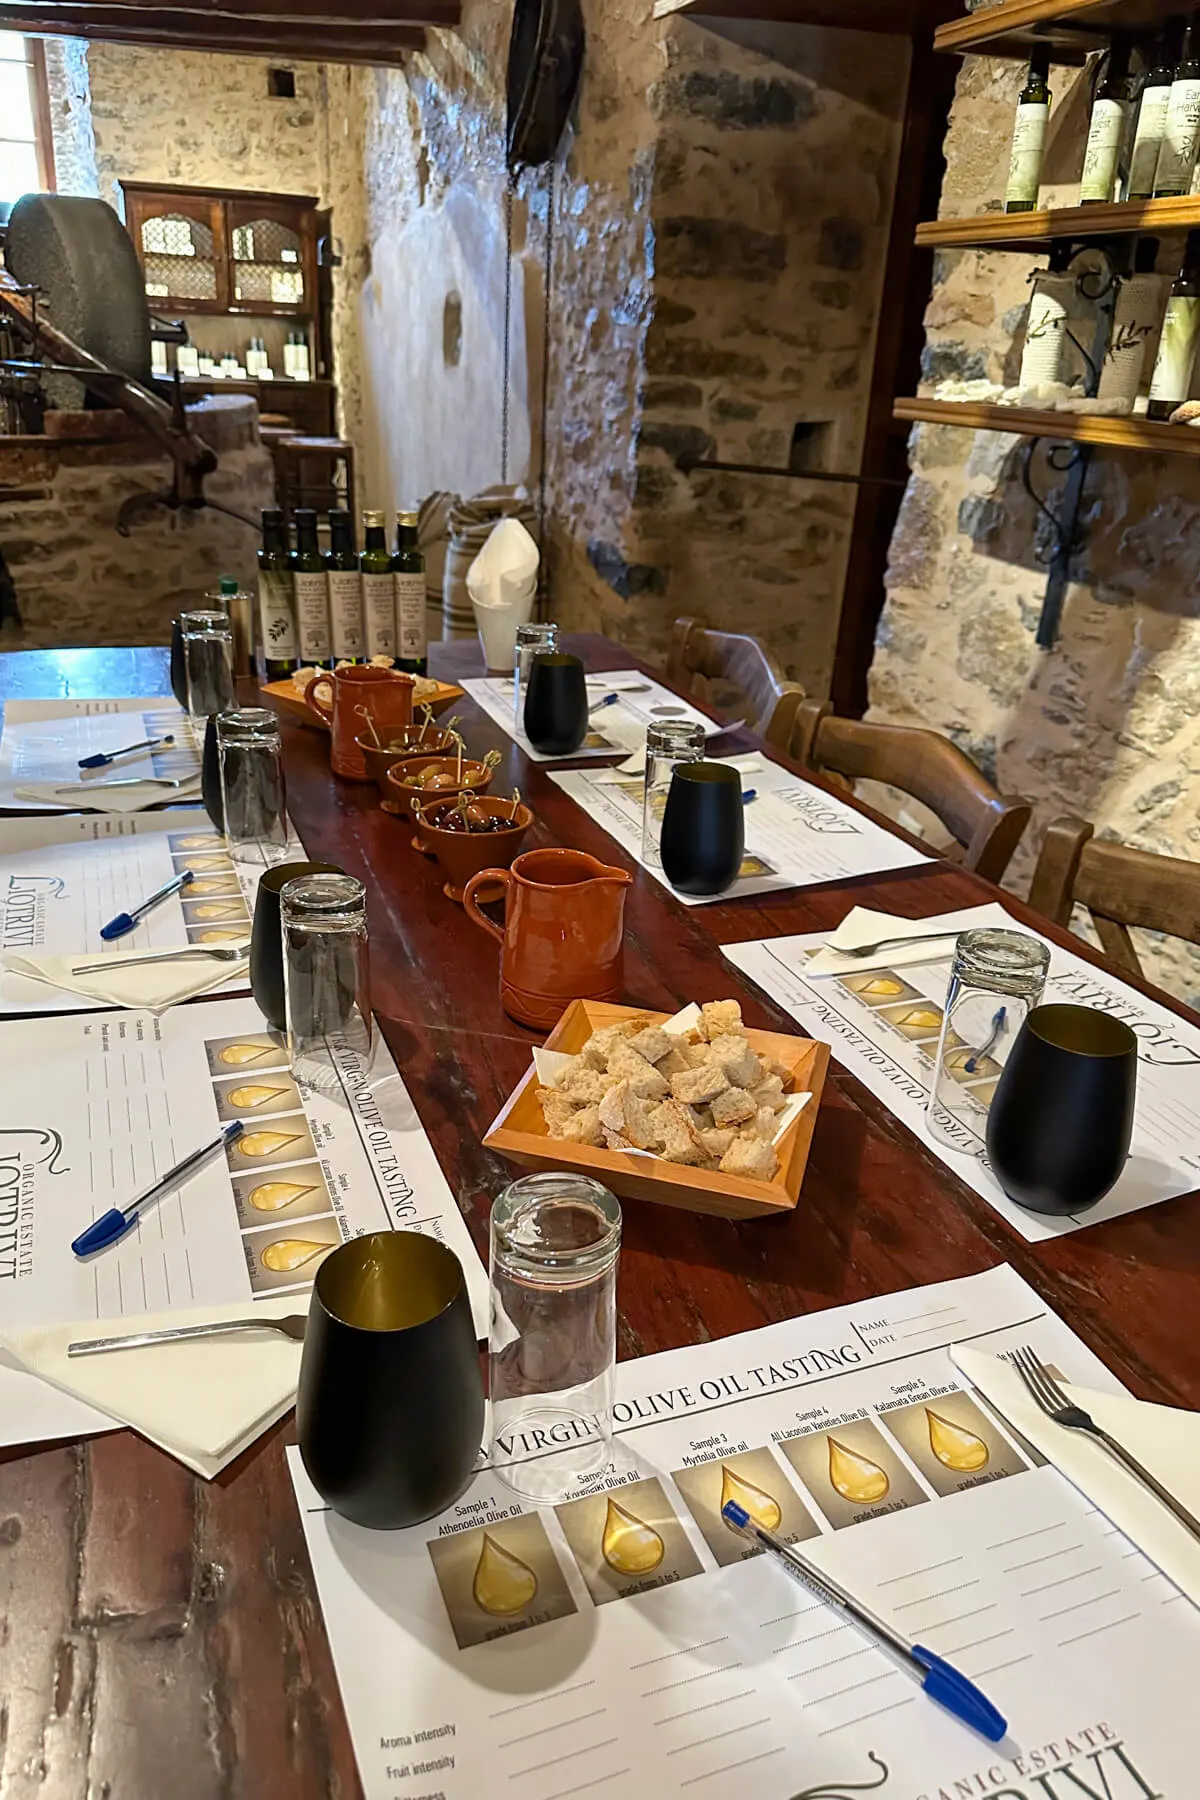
(694, 1111)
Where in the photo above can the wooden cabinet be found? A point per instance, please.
(216, 250)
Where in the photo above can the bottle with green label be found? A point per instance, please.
(1181, 128)
(1152, 112)
(408, 567)
(345, 589)
(312, 592)
(276, 599)
(1029, 136)
(1172, 380)
(378, 588)
(1106, 132)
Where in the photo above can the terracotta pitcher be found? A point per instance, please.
(564, 922)
(350, 701)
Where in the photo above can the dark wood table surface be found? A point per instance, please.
(161, 1635)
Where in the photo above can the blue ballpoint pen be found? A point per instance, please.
(941, 1682)
(608, 700)
(125, 922)
(748, 795)
(113, 1225)
(102, 758)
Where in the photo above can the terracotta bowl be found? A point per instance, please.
(379, 761)
(463, 854)
(477, 778)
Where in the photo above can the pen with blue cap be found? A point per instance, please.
(119, 1221)
(941, 1682)
(126, 921)
(103, 758)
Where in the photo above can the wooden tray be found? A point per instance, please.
(286, 696)
(520, 1131)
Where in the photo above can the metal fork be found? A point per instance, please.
(214, 952)
(889, 943)
(291, 1327)
(1054, 1403)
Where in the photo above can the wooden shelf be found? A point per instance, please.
(902, 18)
(1032, 232)
(1077, 428)
(1070, 27)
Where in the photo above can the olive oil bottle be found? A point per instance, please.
(276, 598)
(1029, 136)
(408, 567)
(312, 592)
(1176, 359)
(378, 588)
(345, 589)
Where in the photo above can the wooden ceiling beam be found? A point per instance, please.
(213, 16)
(293, 40)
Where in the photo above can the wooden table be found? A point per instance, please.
(161, 1634)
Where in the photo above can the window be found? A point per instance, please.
(25, 154)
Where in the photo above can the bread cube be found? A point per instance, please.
(653, 1043)
(588, 1086)
(766, 1124)
(680, 1140)
(721, 1016)
(699, 1087)
(583, 1127)
(750, 1157)
(715, 1143)
(733, 1107)
(612, 1107)
(643, 1077)
(673, 1063)
(769, 1093)
(737, 1059)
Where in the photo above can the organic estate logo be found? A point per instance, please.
(18, 1160)
(841, 1790)
(21, 907)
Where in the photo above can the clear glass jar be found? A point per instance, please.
(667, 745)
(208, 661)
(997, 977)
(326, 970)
(529, 641)
(250, 750)
(555, 1246)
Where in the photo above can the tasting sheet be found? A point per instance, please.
(626, 1643)
(616, 730)
(62, 878)
(98, 1105)
(883, 1023)
(43, 742)
(796, 834)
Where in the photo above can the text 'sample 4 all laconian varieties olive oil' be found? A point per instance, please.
(276, 599)
(378, 589)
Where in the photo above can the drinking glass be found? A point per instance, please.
(555, 1245)
(252, 789)
(390, 1408)
(208, 657)
(996, 978)
(210, 776)
(1059, 1128)
(266, 943)
(703, 828)
(667, 745)
(325, 966)
(556, 704)
(530, 640)
(178, 666)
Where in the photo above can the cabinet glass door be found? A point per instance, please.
(178, 258)
(267, 263)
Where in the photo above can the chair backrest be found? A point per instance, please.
(1118, 886)
(704, 662)
(986, 825)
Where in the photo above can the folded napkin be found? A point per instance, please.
(502, 583)
(154, 986)
(203, 1401)
(94, 796)
(1164, 1439)
(862, 926)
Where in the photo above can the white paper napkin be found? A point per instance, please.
(96, 797)
(862, 926)
(154, 986)
(1164, 1439)
(505, 571)
(203, 1401)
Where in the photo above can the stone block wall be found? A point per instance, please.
(1107, 723)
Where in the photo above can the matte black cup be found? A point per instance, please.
(210, 776)
(390, 1408)
(1060, 1123)
(704, 828)
(266, 941)
(179, 685)
(556, 704)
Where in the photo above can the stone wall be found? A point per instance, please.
(77, 579)
(1107, 723)
(707, 299)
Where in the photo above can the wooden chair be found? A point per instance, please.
(716, 665)
(985, 825)
(1119, 887)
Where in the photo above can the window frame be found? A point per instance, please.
(39, 109)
